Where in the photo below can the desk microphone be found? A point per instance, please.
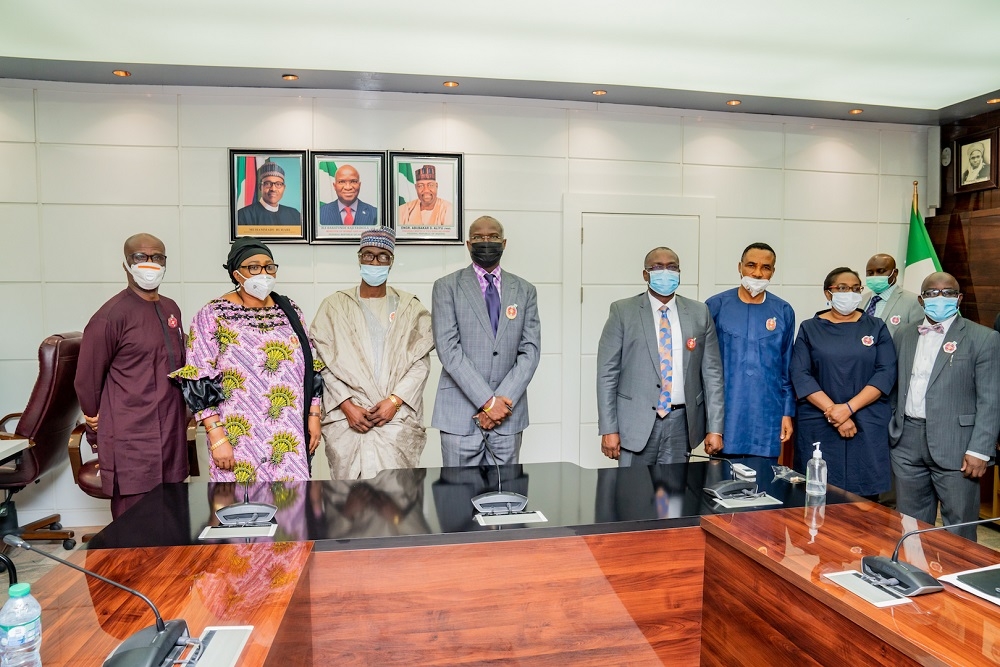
(902, 577)
(498, 502)
(727, 489)
(147, 648)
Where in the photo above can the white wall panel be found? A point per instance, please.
(534, 244)
(502, 130)
(18, 379)
(820, 147)
(107, 175)
(107, 117)
(18, 183)
(17, 114)
(735, 234)
(829, 196)
(805, 300)
(895, 197)
(545, 391)
(904, 152)
(612, 135)
(19, 229)
(22, 304)
(624, 178)
(738, 192)
(374, 124)
(204, 245)
(540, 444)
(813, 249)
(204, 177)
(550, 316)
(69, 305)
(733, 143)
(245, 121)
(509, 183)
(892, 239)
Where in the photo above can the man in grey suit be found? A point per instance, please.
(659, 372)
(488, 335)
(944, 427)
(347, 209)
(888, 301)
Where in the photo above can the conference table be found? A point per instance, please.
(396, 570)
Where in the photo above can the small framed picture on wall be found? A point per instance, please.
(425, 197)
(976, 162)
(348, 194)
(267, 194)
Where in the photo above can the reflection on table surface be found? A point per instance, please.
(434, 505)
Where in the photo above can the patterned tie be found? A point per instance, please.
(492, 302)
(348, 216)
(923, 329)
(870, 310)
(666, 364)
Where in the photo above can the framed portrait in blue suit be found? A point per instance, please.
(348, 194)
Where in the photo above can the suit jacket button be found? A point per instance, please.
(495, 353)
(657, 386)
(654, 407)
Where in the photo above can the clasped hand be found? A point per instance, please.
(499, 411)
(362, 420)
(839, 416)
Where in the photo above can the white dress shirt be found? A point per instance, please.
(676, 344)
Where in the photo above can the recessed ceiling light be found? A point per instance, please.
(599, 92)
(734, 103)
(122, 73)
(290, 77)
(995, 100)
(450, 84)
(855, 112)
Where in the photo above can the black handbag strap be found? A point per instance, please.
(288, 309)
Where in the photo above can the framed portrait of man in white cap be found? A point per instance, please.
(267, 195)
(976, 162)
(348, 194)
(425, 197)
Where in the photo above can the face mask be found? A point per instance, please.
(664, 282)
(877, 284)
(754, 285)
(374, 275)
(845, 303)
(487, 254)
(940, 308)
(147, 276)
(258, 286)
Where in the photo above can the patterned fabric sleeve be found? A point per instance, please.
(201, 382)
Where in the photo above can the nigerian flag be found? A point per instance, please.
(921, 260)
(405, 188)
(326, 171)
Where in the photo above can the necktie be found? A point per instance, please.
(492, 302)
(870, 310)
(666, 364)
(348, 216)
(924, 329)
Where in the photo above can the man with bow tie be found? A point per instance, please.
(947, 409)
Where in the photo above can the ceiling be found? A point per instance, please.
(899, 60)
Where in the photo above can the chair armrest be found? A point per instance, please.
(7, 418)
(75, 458)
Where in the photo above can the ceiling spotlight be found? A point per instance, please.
(122, 73)
(855, 112)
(290, 77)
(734, 103)
(995, 100)
(450, 84)
(599, 92)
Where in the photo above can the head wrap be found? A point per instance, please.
(426, 173)
(244, 247)
(380, 237)
(269, 169)
(977, 147)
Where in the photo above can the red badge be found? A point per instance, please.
(293, 340)
(392, 316)
(950, 347)
(172, 322)
(867, 341)
(771, 324)
(894, 320)
(691, 342)
(511, 312)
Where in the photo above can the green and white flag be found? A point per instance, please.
(921, 260)
(406, 190)
(325, 174)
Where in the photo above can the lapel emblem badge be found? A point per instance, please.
(867, 341)
(950, 347)
(293, 340)
(894, 320)
(511, 312)
(771, 324)
(172, 322)
(691, 343)
(392, 316)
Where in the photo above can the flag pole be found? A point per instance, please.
(915, 197)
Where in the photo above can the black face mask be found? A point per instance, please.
(487, 253)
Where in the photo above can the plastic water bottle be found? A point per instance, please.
(816, 474)
(21, 629)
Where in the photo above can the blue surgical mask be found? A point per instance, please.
(664, 282)
(940, 308)
(374, 275)
(877, 284)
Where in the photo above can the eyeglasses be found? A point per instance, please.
(141, 257)
(255, 269)
(857, 289)
(370, 257)
(272, 184)
(492, 238)
(934, 293)
(664, 267)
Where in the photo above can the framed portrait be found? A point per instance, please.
(425, 197)
(975, 158)
(348, 194)
(267, 194)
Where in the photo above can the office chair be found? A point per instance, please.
(46, 423)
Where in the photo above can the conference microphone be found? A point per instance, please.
(150, 647)
(905, 578)
(728, 489)
(497, 502)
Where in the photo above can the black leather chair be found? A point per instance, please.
(46, 422)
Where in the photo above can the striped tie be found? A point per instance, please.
(870, 310)
(666, 364)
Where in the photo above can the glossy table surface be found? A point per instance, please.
(434, 506)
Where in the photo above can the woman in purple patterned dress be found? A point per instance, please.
(251, 378)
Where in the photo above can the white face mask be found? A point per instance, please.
(845, 303)
(754, 285)
(258, 286)
(147, 275)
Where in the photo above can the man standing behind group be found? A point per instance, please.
(376, 343)
(756, 333)
(889, 301)
(266, 210)
(348, 209)
(488, 336)
(136, 417)
(659, 373)
(427, 208)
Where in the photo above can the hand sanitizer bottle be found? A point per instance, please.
(816, 474)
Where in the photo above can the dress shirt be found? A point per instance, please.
(481, 275)
(354, 209)
(676, 344)
(884, 297)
